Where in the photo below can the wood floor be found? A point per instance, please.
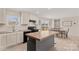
(69, 44)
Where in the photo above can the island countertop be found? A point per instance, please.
(40, 35)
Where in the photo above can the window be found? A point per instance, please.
(12, 19)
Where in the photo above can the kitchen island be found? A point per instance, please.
(40, 41)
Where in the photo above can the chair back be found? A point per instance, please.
(68, 30)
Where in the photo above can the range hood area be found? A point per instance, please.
(32, 21)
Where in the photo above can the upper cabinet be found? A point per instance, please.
(2, 16)
(24, 18)
(33, 17)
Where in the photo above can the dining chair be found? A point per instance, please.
(64, 34)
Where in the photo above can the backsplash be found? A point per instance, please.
(9, 28)
(21, 27)
(5, 28)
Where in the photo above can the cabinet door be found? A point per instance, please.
(3, 41)
(19, 37)
(0, 42)
(2, 16)
(24, 18)
(11, 39)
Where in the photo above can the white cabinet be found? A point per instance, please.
(24, 18)
(34, 17)
(19, 37)
(14, 38)
(11, 39)
(2, 41)
(2, 16)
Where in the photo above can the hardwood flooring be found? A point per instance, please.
(68, 44)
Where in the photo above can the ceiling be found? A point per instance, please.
(51, 12)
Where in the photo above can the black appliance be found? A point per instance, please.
(32, 29)
(25, 37)
(32, 21)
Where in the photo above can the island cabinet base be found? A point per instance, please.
(42, 45)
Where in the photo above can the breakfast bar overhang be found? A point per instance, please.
(40, 41)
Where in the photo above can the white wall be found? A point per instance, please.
(74, 29)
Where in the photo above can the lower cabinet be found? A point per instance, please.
(19, 37)
(11, 39)
(14, 38)
(2, 41)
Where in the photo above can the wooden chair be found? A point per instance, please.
(64, 34)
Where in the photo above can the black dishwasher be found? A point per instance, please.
(25, 37)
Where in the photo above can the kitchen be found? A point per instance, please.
(17, 23)
(13, 26)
